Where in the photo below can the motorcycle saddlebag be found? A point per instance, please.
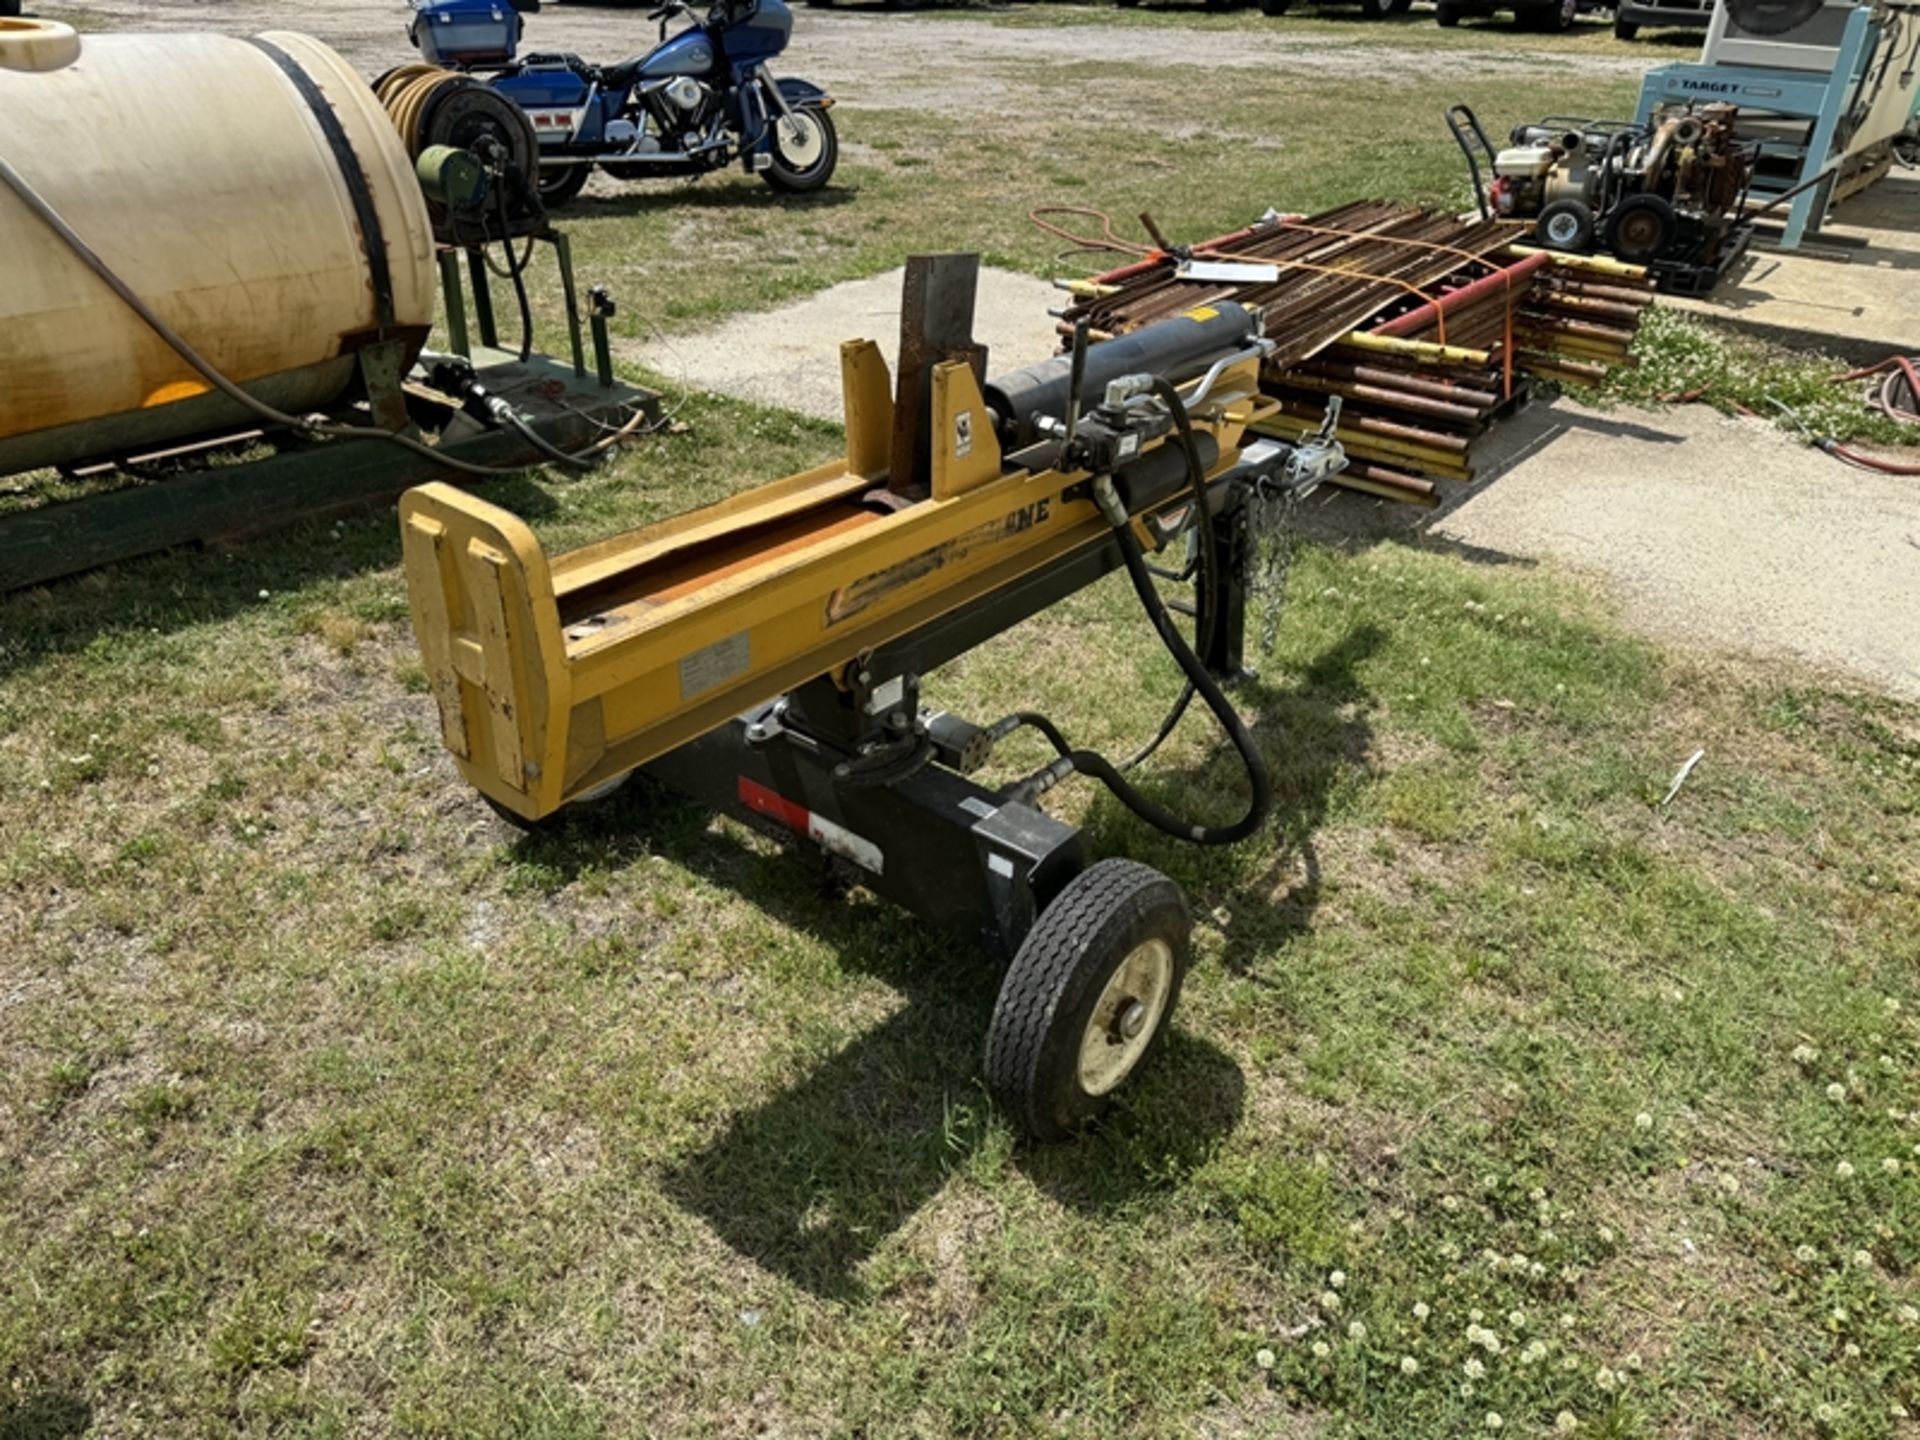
(466, 32)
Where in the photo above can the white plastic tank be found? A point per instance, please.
(237, 186)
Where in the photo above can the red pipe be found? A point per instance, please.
(1427, 314)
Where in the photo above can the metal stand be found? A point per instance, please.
(453, 297)
(1820, 99)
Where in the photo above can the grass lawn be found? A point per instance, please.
(329, 1106)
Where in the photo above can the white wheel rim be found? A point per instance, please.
(1126, 1017)
(801, 140)
(1562, 229)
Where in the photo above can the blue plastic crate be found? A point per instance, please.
(466, 32)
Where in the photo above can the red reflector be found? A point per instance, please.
(776, 806)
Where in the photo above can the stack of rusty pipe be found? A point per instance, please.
(1428, 328)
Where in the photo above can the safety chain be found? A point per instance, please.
(1274, 522)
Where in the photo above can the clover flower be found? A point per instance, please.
(1844, 1170)
(1421, 1310)
(1356, 1331)
(1474, 1370)
(1806, 1254)
(1409, 1366)
(1534, 1353)
(1329, 1301)
(1908, 1315)
(1632, 1361)
(1890, 1166)
(1337, 1279)
(1264, 1358)
(1321, 1350)
(1494, 1422)
(1643, 1121)
(1566, 1422)
(1606, 1379)
(1836, 1091)
(1805, 1054)
(1863, 1258)
(1517, 1319)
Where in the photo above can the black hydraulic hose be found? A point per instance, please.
(52, 219)
(1087, 762)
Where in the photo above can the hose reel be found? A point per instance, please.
(443, 116)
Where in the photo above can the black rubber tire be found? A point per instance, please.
(1554, 19)
(1033, 1044)
(9, 7)
(798, 182)
(1373, 9)
(1396, 8)
(1272, 9)
(1575, 242)
(1641, 212)
(1626, 29)
(565, 185)
(1446, 16)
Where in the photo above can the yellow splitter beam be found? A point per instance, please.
(554, 676)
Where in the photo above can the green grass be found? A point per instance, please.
(329, 1106)
(333, 1107)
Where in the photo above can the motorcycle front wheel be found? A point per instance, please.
(560, 183)
(804, 151)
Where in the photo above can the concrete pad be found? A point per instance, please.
(790, 357)
(1854, 291)
(1711, 531)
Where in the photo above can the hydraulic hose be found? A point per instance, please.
(53, 220)
(1087, 762)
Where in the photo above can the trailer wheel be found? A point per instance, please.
(1272, 9)
(1446, 15)
(1625, 29)
(1565, 225)
(1087, 997)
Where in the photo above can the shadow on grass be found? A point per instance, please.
(647, 197)
(810, 1182)
(194, 584)
(43, 1417)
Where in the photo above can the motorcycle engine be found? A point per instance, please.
(684, 93)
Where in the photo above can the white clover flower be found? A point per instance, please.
(1566, 1422)
(1421, 1310)
(1329, 1300)
(1337, 1279)
(1536, 1195)
(1606, 1379)
(1850, 1350)
(1517, 1260)
(1606, 1235)
(1474, 1369)
(1643, 1121)
(1890, 1166)
(1837, 1315)
(1892, 1005)
(1863, 1258)
(1836, 1091)
(1567, 1322)
(1805, 1054)
(1569, 1362)
(1534, 1353)
(1466, 1390)
(1409, 1366)
(1887, 1064)
(1633, 1361)
(1517, 1319)
(1321, 1350)
(1729, 1182)
(1264, 1358)
(1806, 1254)
(1844, 1170)
(1494, 1422)
(1356, 1331)
(1826, 1414)
(1536, 1270)
(1476, 1316)
(1908, 1315)
(1450, 1203)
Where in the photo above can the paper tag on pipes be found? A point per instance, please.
(834, 838)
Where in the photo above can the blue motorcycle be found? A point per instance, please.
(696, 102)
